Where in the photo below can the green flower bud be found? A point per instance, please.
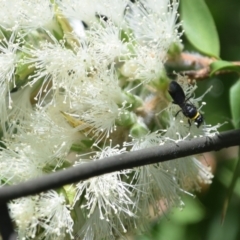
(139, 130)
(126, 119)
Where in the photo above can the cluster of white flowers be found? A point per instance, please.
(81, 81)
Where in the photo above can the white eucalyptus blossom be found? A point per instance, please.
(48, 212)
(80, 10)
(55, 65)
(8, 61)
(25, 14)
(90, 11)
(54, 216)
(23, 211)
(146, 65)
(39, 146)
(19, 163)
(154, 22)
(108, 32)
(70, 92)
(102, 104)
(107, 198)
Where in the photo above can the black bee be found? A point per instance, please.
(187, 108)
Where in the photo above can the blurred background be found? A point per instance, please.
(201, 217)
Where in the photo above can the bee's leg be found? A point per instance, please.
(189, 122)
(178, 113)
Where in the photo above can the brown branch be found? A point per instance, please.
(199, 64)
(196, 60)
(200, 74)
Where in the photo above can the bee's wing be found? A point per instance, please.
(176, 92)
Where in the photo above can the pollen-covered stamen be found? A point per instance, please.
(108, 194)
(209, 130)
(116, 48)
(24, 211)
(59, 69)
(154, 22)
(202, 104)
(146, 64)
(202, 96)
(25, 15)
(54, 215)
(8, 60)
(91, 11)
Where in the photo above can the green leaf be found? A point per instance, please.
(223, 65)
(199, 26)
(234, 103)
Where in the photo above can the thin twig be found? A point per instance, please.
(128, 160)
